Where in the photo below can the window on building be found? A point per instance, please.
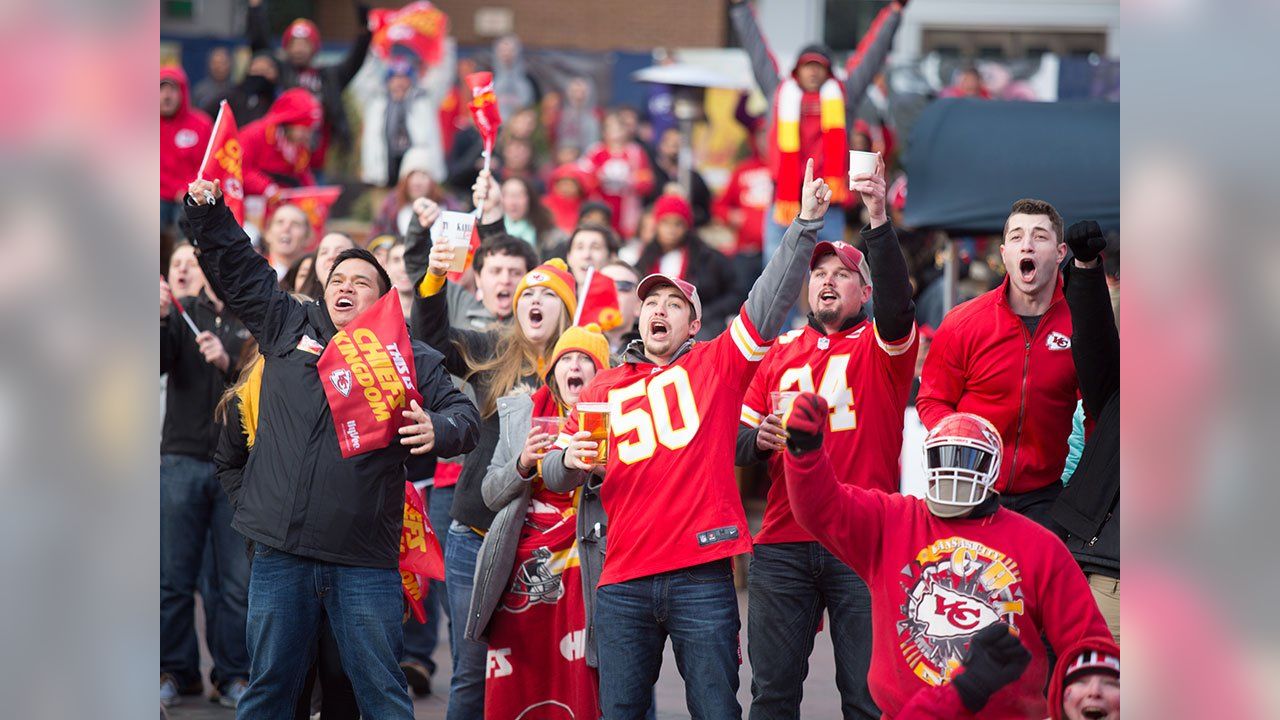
(1011, 44)
(179, 9)
(846, 21)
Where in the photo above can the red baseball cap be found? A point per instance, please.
(302, 28)
(849, 255)
(657, 280)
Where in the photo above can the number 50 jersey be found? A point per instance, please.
(866, 382)
(669, 488)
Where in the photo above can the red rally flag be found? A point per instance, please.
(419, 26)
(598, 302)
(368, 377)
(315, 201)
(420, 554)
(224, 159)
(484, 108)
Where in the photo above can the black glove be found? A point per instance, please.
(996, 658)
(1086, 240)
(362, 15)
(804, 422)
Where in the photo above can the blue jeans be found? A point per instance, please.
(466, 687)
(789, 585)
(288, 597)
(193, 512)
(698, 608)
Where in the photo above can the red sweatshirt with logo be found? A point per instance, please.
(183, 139)
(935, 582)
(984, 361)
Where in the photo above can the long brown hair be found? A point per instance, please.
(515, 357)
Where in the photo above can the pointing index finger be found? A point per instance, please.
(808, 172)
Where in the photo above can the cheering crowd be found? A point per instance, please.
(572, 403)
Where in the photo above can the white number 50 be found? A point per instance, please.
(656, 424)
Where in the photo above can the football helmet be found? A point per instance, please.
(962, 462)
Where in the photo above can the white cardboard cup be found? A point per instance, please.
(861, 162)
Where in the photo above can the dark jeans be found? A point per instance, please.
(337, 697)
(194, 511)
(289, 596)
(698, 608)
(789, 586)
(1037, 505)
(466, 687)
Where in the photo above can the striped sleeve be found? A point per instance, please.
(747, 340)
(750, 417)
(896, 348)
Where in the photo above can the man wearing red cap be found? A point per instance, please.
(676, 518)
(678, 252)
(863, 369)
(277, 148)
(810, 107)
(299, 46)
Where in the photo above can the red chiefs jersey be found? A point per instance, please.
(669, 488)
(936, 582)
(866, 381)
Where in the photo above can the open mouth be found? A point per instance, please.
(658, 330)
(1094, 713)
(535, 317)
(344, 303)
(828, 295)
(574, 383)
(1027, 268)
(504, 296)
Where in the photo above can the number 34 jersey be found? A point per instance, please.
(866, 381)
(669, 487)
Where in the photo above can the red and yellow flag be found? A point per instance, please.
(419, 26)
(224, 160)
(484, 107)
(368, 377)
(420, 554)
(315, 201)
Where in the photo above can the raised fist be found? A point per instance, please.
(804, 422)
(1086, 240)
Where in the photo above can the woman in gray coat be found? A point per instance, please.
(538, 567)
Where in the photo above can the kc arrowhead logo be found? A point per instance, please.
(341, 380)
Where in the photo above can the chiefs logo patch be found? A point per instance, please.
(1057, 341)
(954, 588)
(341, 381)
(186, 138)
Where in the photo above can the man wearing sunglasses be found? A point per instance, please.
(626, 278)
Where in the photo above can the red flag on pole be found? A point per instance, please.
(419, 26)
(223, 160)
(598, 302)
(368, 377)
(315, 201)
(420, 554)
(484, 110)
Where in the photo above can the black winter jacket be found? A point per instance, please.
(194, 386)
(297, 492)
(1089, 507)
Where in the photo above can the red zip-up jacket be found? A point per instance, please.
(984, 361)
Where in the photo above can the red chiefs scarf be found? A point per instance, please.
(785, 148)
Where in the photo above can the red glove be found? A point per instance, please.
(804, 422)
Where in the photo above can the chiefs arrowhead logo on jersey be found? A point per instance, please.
(1057, 341)
(186, 138)
(954, 587)
(341, 381)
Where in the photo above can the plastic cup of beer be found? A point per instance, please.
(548, 425)
(861, 162)
(780, 401)
(453, 229)
(594, 417)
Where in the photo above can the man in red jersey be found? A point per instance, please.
(944, 568)
(675, 516)
(1006, 355)
(864, 370)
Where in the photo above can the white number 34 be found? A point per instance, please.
(834, 389)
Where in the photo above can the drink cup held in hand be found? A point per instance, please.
(594, 418)
(454, 230)
(780, 401)
(861, 163)
(548, 425)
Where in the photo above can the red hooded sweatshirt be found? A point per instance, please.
(269, 159)
(935, 582)
(183, 139)
(983, 361)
